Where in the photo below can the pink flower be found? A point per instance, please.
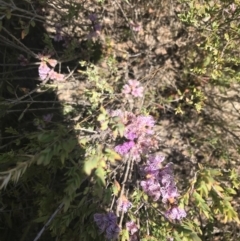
(176, 212)
(133, 88)
(135, 26)
(152, 188)
(131, 227)
(55, 76)
(124, 204)
(43, 70)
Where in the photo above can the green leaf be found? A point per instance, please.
(40, 159)
(10, 89)
(104, 125)
(69, 145)
(41, 219)
(33, 24)
(121, 128)
(66, 202)
(125, 235)
(194, 237)
(24, 33)
(200, 202)
(203, 189)
(45, 156)
(100, 173)
(112, 155)
(102, 109)
(90, 164)
(63, 156)
(8, 14)
(56, 149)
(101, 117)
(48, 157)
(46, 137)
(226, 36)
(12, 131)
(176, 236)
(116, 188)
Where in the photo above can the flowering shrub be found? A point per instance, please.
(97, 171)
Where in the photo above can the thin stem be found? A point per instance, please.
(27, 17)
(129, 161)
(125, 16)
(48, 222)
(15, 8)
(22, 45)
(33, 109)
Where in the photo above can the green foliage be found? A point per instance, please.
(217, 25)
(61, 172)
(100, 86)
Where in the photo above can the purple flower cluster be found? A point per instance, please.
(132, 229)
(134, 88)
(176, 213)
(107, 223)
(168, 186)
(125, 147)
(157, 179)
(160, 182)
(139, 134)
(151, 185)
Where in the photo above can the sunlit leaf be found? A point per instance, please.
(116, 187)
(100, 173)
(90, 164)
(112, 155)
(104, 125)
(24, 33)
(101, 117)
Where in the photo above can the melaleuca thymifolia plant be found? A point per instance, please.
(118, 184)
(106, 178)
